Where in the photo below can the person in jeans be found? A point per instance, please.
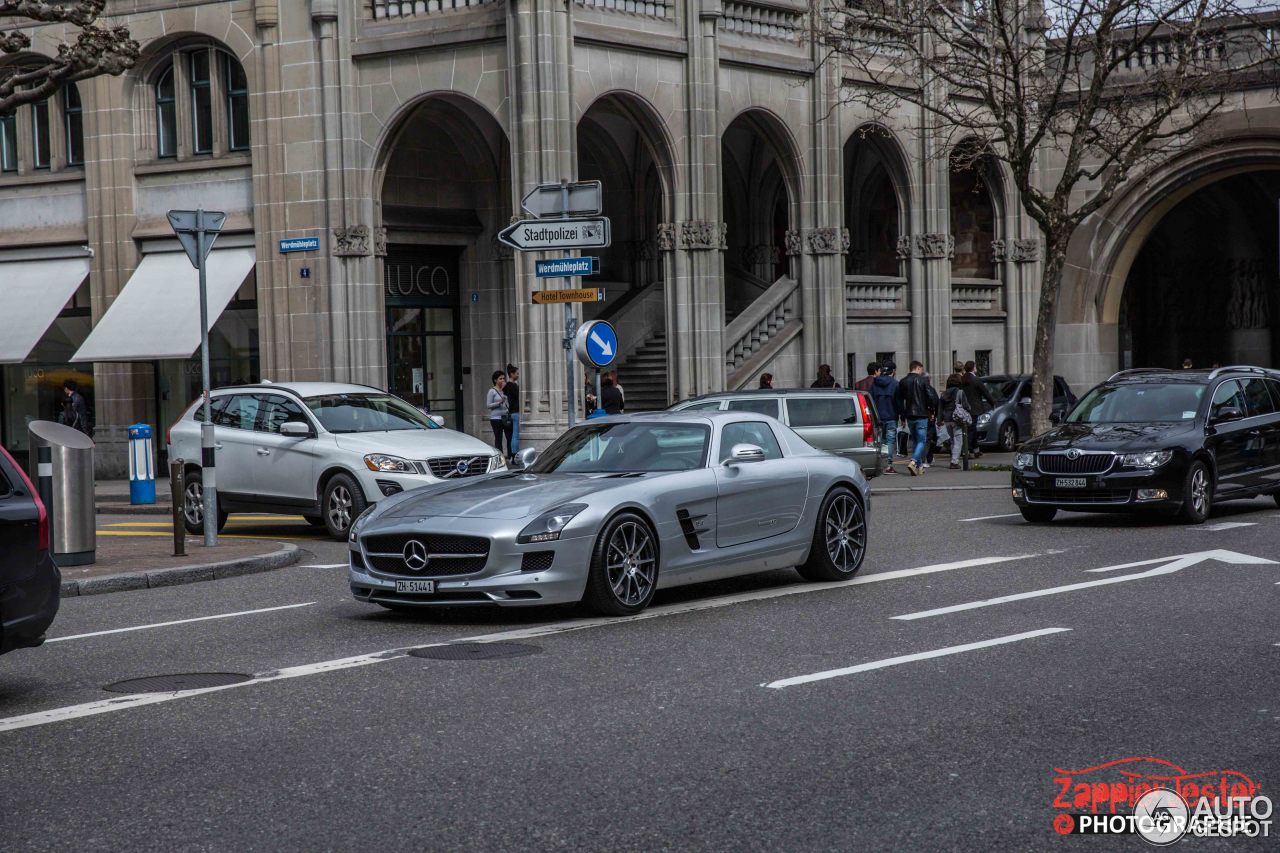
(917, 402)
(979, 400)
(884, 392)
(512, 390)
(496, 402)
(955, 413)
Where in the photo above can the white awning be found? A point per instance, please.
(157, 315)
(34, 293)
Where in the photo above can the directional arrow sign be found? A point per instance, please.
(533, 235)
(585, 198)
(188, 223)
(1169, 565)
(596, 344)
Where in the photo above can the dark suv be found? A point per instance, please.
(29, 581)
(1173, 441)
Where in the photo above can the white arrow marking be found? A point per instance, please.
(605, 348)
(1179, 562)
(1226, 525)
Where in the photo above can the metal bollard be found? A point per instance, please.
(964, 448)
(178, 486)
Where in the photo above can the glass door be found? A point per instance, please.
(423, 346)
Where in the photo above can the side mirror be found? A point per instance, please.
(295, 429)
(528, 456)
(1055, 418)
(1227, 413)
(438, 420)
(745, 453)
(1025, 401)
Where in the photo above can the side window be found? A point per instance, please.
(704, 406)
(760, 406)
(1228, 396)
(1059, 388)
(821, 411)
(1274, 385)
(1255, 394)
(240, 412)
(280, 410)
(216, 405)
(753, 432)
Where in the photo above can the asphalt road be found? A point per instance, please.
(760, 713)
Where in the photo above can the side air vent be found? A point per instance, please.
(689, 526)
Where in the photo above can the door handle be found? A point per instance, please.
(262, 451)
(217, 445)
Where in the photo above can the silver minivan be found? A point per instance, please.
(838, 420)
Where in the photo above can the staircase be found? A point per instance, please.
(757, 335)
(643, 375)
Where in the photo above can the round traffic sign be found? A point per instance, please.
(596, 343)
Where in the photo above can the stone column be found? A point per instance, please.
(931, 315)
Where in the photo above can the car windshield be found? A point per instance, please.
(1001, 389)
(1142, 403)
(343, 413)
(626, 448)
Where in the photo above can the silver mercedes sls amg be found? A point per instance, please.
(615, 509)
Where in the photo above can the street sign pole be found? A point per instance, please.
(208, 476)
(569, 323)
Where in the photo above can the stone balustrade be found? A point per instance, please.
(762, 20)
(385, 9)
(647, 8)
(873, 295)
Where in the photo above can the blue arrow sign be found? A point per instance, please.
(299, 244)
(566, 267)
(596, 343)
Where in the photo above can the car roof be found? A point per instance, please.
(765, 392)
(303, 389)
(681, 417)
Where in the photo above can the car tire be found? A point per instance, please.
(839, 539)
(1039, 514)
(1197, 494)
(341, 504)
(1009, 437)
(1277, 497)
(193, 505)
(624, 567)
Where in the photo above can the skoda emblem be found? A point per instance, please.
(1073, 454)
(415, 555)
(463, 467)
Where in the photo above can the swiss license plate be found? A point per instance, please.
(416, 586)
(1070, 482)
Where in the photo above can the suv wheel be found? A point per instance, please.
(1039, 514)
(193, 506)
(342, 503)
(1197, 494)
(1009, 437)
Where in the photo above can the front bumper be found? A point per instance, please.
(374, 483)
(1114, 491)
(502, 581)
(28, 606)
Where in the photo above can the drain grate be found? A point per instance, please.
(178, 681)
(476, 651)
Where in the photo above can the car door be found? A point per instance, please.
(285, 466)
(1263, 434)
(1228, 440)
(1021, 401)
(234, 443)
(1061, 400)
(756, 500)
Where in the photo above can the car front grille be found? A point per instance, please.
(1085, 463)
(446, 555)
(1079, 496)
(451, 467)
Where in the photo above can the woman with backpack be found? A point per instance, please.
(955, 413)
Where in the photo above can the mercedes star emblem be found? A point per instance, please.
(415, 555)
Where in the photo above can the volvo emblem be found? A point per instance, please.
(415, 555)
(1073, 454)
(463, 467)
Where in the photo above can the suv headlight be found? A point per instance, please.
(1148, 459)
(1024, 461)
(389, 464)
(360, 521)
(496, 462)
(984, 419)
(547, 527)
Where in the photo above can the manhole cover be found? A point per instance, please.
(476, 651)
(179, 681)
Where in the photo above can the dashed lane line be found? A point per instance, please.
(178, 622)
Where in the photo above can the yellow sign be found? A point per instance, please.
(555, 297)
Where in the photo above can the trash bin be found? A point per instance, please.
(65, 476)
(142, 471)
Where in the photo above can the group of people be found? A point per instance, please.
(915, 407)
(503, 403)
(612, 399)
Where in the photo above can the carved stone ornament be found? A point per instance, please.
(1025, 251)
(793, 243)
(935, 246)
(380, 241)
(903, 249)
(999, 251)
(846, 240)
(666, 236)
(823, 241)
(352, 242)
(700, 235)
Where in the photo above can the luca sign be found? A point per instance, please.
(299, 244)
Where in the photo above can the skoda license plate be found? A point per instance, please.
(1070, 482)
(415, 586)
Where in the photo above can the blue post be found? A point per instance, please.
(142, 472)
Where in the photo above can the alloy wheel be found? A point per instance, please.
(1200, 491)
(846, 533)
(339, 508)
(193, 505)
(631, 563)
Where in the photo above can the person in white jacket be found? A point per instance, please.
(499, 412)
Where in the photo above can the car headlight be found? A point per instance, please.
(1148, 459)
(984, 419)
(547, 527)
(1024, 461)
(389, 464)
(497, 463)
(360, 520)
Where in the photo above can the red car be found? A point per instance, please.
(30, 583)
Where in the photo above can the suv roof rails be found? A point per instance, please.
(1241, 368)
(1135, 370)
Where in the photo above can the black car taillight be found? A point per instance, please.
(42, 534)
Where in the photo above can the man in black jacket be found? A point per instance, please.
(917, 401)
(979, 400)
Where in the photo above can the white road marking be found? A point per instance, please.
(106, 706)
(901, 659)
(1226, 525)
(326, 566)
(1179, 562)
(177, 622)
(989, 517)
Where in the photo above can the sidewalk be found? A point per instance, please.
(112, 498)
(940, 478)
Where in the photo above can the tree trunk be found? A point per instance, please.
(1046, 332)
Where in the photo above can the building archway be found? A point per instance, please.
(975, 196)
(444, 190)
(875, 202)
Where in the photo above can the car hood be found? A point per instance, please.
(505, 496)
(414, 443)
(1117, 437)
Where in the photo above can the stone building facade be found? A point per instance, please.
(760, 222)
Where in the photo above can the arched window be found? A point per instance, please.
(207, 85)
(47, 135)
(166, 115)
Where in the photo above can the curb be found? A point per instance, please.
(286, 555)
(876, 491)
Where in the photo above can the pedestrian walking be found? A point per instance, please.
(610, 397)
(512, 390)
(979, 400)
(955, 413)
(766, 381)
(868, 381)
(884, 394)
(75, 412)
(825, 379)
(917, 402)
(613, 374)
(499, 411)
